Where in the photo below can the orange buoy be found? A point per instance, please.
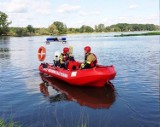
(41, 53)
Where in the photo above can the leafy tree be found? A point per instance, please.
(157, 27)
(122, 26)
(58, 28)
(73, 30)
(100, 28)
(134, 27)
(107, 29)
(86, 29)
(53, 29)
(82, 29)
(12, 31)
(96, 28)
(30, 29)
(3, 23)
(114, 28)
(21, 32)
(150, 27)
(89, 29)
(42, 31)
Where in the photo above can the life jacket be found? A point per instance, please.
(93, 63)
(64, 57)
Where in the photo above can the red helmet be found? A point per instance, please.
(65, 50)
(87, 49)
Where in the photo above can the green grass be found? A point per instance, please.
(11, 123)
(142, 34)
(84, 125)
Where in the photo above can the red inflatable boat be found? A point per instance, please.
(97, 76)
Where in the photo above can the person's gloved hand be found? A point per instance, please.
(82, 65)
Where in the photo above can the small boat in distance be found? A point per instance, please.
(63, 39)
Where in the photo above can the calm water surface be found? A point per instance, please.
(134, 102)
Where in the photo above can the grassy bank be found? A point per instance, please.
(11, 123)
(141, 34)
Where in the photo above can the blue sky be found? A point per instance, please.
(75, 13)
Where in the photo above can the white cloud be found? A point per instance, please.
(76, 24)
(42, 13)
(27, 6)
(82, 13)
(68, 8)
(133, 6)
(20, 20)
(24, 12)
(122, 18)
(92, 13)
(15, 6)
(140, 20)
(20, 8)
(42, 7)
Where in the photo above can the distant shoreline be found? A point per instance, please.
(140, 34)
(121, 35)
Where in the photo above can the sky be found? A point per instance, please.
(75, 13)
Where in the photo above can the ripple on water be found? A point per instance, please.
(136, 60)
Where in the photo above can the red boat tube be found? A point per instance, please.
(97, 76)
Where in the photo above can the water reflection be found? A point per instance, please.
(4, 39)
(4, 53)
(3, 50)
(86, 96)
(4, 56)
(4, 47)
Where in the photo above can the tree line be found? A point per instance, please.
(59, 28)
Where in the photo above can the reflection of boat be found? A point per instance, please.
(88, 96)
(97, 76)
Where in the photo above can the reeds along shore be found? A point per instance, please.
(141, 34)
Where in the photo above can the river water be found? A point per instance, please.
(30, 102)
